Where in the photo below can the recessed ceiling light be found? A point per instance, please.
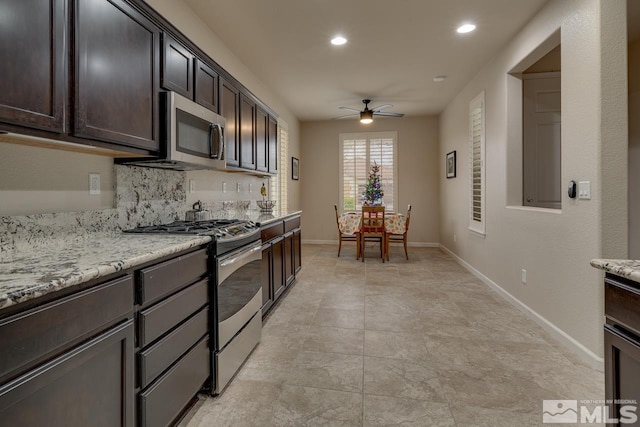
(338, 41)
(466, 28)
(439, 78)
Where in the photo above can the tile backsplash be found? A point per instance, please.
(143, 196)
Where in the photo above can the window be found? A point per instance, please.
(278, 184)
(476, 164)
(358, 151)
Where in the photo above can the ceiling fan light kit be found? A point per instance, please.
(366, 115)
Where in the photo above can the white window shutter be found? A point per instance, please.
(477, 164)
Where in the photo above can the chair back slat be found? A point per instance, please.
(373, 219)
(406, 224)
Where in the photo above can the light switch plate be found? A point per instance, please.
(94, 184)
(584, 190)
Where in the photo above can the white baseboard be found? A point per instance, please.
(335, 242)
(585, 354)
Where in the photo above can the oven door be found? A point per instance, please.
(239, 290)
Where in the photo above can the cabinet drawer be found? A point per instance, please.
(43, 331)
(161, 355)
(621, 302)
(167, 277)
(163, 401)
(291, 224)
(160, 318)
(272, 231)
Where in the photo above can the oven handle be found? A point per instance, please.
(229, 265)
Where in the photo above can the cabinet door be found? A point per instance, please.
(206, 86)
(277, 247)
(116, 76)
(32, 54)
(229, 109)
(91, 385)
(267, 278)
(262, 129)
(289, 268)
(247, 133)
(177, 67)
(272, 143)
(297, 250)
(622, 367)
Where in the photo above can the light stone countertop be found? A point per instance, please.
(627, 268)
(61, 263)
(260, 218)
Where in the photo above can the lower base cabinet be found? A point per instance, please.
(90, 385)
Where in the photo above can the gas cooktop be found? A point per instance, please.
(219, 229)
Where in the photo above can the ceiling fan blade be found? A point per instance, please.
(347, 116)
(348, 108)
(382, 107)
(388, 114)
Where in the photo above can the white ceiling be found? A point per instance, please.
(395, 48)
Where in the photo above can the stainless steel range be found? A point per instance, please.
(236, 298)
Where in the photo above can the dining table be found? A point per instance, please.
(350, 223)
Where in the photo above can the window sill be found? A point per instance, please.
(534, 209)
(477, 233)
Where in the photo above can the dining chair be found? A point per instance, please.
(372, 228)
(398, 238)
(342, 237)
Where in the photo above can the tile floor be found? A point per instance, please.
(405, 343)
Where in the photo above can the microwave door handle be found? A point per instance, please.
(211, 140)
(220, 142)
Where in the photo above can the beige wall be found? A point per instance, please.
(563, 292)
(634, 150)
(418, 173)
(40, 180)
(180, 15)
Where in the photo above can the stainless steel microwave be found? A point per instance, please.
(192, 136)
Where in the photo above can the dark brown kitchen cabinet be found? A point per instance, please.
(177, 67)
(262, 147)
(230, 110)
(289, 269)
(267, 277)
(272, 146)
(116, 74)
(33, 57)
(90, 385)
(621, 342)
(279, 283)
(206, 88)
(247, 132)
(297, 250)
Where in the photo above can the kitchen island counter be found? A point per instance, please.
(60, 263)
(627, 268)
(259, 217)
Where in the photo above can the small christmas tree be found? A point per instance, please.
(372, 194)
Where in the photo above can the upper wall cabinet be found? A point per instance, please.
(177, 67)
(247, 132)
(272, 144)
(32, 54)
(230, 110)
(262, 129)
(116, 74)
(206, 87)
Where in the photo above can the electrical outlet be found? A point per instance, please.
(94, 184)
(192, 186)
(224, 187)
(249, 187)
(524, 276)
(237, 187)
(455, 238)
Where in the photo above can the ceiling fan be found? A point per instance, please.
(366, 115)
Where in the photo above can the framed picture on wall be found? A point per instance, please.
(295, 169)
(451, 164)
